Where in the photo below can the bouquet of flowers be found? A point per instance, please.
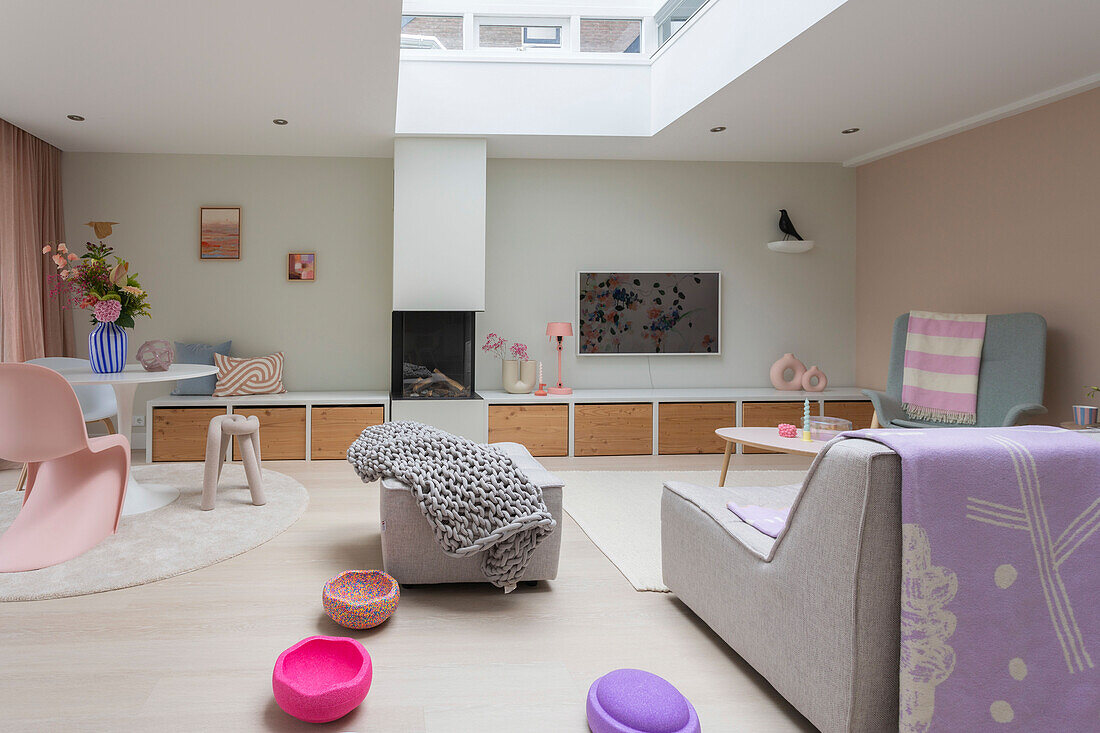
(501, 348)
(108, 290)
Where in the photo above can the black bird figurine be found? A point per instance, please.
(786, 226)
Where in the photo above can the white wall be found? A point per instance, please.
(720, 43)
(335, 331)
(548, 219)
(439, 224)
(545, 220)
(477, 94)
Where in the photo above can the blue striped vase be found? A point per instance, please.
(107, 348)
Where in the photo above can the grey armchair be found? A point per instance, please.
(1010, 383)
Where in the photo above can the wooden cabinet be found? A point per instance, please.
(770, 415)
(282, 432)
(542, 429)
(688, 427)
(613, 429)
(333, 429)
(179, 433)
(859, 412)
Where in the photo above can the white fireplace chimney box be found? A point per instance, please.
(439, 224)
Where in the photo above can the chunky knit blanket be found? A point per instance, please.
(474, 496)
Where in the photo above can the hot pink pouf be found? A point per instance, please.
(634, 701)
(322, 678)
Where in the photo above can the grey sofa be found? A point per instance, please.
(411, 554)
(1010, 381)
(817, 611)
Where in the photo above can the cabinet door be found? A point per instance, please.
(688, 427)
(282, 432)
(613, 430)
(179, 433)
(770, 415)
(333, 429)
(542, 429)
(859, 412)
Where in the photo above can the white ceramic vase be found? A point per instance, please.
(518, 376)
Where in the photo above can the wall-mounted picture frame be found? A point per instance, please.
(649, 313)
(301, 267)
(220, 233)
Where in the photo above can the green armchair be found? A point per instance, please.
(1010, 382)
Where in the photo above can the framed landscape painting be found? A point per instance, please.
(301, 266)
(220, 233)
(650, 313)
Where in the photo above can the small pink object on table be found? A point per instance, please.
(786, 430)
(156, 355)
(322, 678)
(360, 599)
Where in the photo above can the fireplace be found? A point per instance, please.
(433, 355)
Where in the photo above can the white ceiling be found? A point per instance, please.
(902, 71)
(204, 76)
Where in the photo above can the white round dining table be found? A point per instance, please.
(139, 497)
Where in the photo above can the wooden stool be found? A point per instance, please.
(218, 436)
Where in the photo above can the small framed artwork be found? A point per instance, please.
(220, 233)
(301, 266)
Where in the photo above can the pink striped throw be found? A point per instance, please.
(943, 354)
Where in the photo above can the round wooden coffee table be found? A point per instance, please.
(767, 438)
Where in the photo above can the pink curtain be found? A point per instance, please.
(33, 322)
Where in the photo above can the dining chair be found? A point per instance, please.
(97, 401)
(75, 484)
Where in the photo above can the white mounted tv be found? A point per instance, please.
(648, 313)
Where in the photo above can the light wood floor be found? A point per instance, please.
(194, 652)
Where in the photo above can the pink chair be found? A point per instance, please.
(75, 484)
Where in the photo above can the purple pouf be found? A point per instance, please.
(634, 701)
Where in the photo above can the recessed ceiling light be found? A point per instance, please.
(849, 131)
(720, 128)
(75, 118)
(279, 121)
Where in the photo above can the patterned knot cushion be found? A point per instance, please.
(255, 375)
(360, 599)
(322, 678)
(635, 701)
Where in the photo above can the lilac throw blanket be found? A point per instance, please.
(769, 521)
(1000, 600)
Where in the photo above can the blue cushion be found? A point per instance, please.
(199, 354)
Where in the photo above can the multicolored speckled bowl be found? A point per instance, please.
(360, 599)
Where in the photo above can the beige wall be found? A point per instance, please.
(999, 219)
(335, 331)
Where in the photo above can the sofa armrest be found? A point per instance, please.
(1027, 409)
(886, 407)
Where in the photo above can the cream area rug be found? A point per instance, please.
(620, 511)
(174, 539)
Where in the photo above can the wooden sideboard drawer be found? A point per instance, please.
(542, 429)
(859, 412)
(179, 433)
(333, 429)
(282, 432)
(613, 429)
(770, 415)
(688, 427)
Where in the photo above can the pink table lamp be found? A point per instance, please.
(560, 331)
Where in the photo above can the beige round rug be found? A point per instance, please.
(174, 539)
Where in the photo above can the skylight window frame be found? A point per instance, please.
(562, 22)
